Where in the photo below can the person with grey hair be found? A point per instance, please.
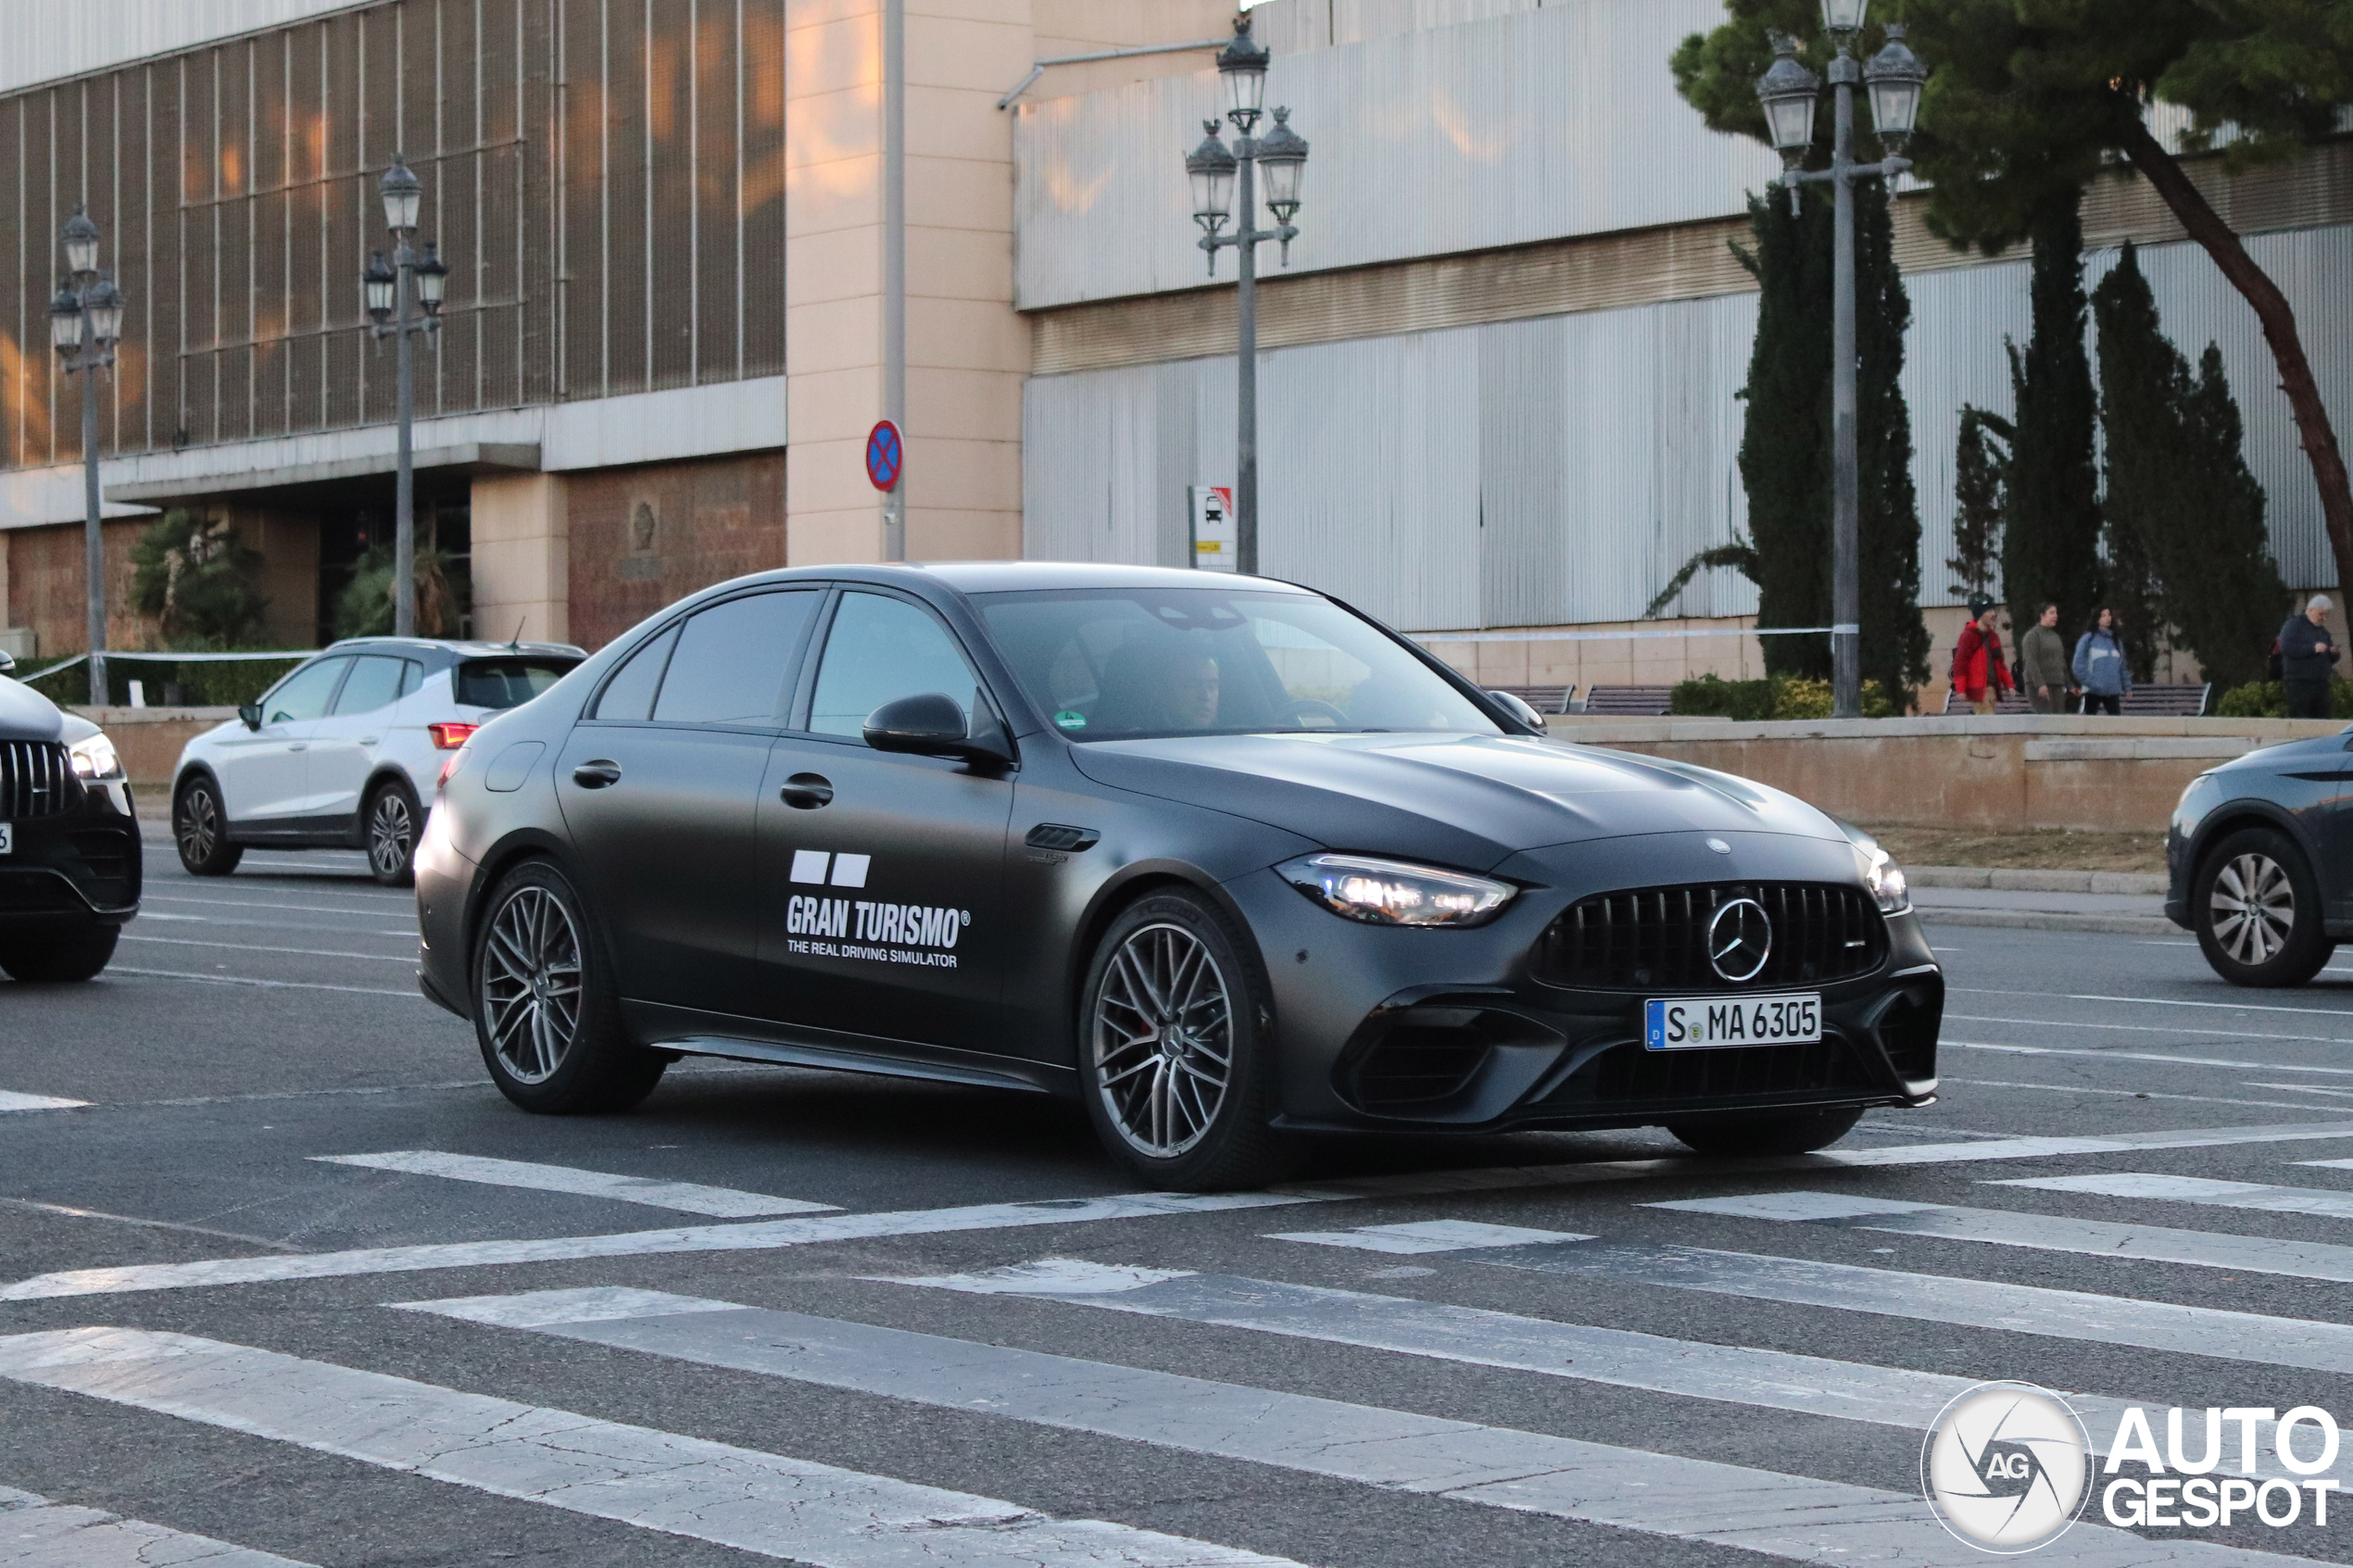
(2307, 659)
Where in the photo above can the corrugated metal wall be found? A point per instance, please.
(1526, 127)
(604, 178)
(1560, 470)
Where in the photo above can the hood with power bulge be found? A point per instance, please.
(1460, 800)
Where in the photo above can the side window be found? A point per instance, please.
(412, 675)
(375, 682)
(732, 660)
(305, 692)
(630, 693)
(879, 650)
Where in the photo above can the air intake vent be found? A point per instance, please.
(1656, 939)
(1631, 1075)
(36, 780)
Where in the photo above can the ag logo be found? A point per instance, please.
(1739, 939)
(2008, 1467)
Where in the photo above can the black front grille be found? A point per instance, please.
(1656, 939)
(36, 780)
(1628, 1074)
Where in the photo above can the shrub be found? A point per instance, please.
(2268, 699)
(1774, 698)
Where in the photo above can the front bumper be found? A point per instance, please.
(1386, 1028)
(75, 870)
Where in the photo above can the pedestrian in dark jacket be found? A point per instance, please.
(2307, 659)
(2099, 666)
(1979, 673)
(2042, 667)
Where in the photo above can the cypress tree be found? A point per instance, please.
(1895, 639)
(2179, 491)
(1784, 456)
(2050, 548)
(1979, 454)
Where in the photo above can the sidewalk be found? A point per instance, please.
(2122, 902)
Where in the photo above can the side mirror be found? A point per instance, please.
(1520, 709)
(7, 662)
(933, 725)
(251, 713)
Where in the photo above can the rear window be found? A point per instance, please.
(507, 683)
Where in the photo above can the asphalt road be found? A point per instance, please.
(848, 1320)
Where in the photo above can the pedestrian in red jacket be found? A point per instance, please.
(1979, 673)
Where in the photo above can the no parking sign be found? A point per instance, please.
(886, 456)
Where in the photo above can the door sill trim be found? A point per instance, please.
(663, 1027)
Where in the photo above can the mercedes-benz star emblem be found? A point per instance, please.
(1738, 940)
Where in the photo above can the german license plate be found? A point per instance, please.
(1689, 1023)
(8, 838)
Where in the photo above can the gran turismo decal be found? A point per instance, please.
(861, 928)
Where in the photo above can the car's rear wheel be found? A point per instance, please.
(1750, 1138)
(200, 829)
(392, 817)
(1176, 1052)
(58, 958)
(545, 1010)
(2256, 907)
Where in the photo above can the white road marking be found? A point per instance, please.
(2042, 1233)
(2304, 1088)
(37, 1102)
(1969, 1303)
(2149, 1056)
(2154, 1002)
(1475, 1336)
(265, 985)
(36, 1533)
(1428, 1236)
(2327, 1202)
(678, 1486)
(2169, 1029)
(725, 1203)
(382, 905)
(255, 947)
(2151, 1094)
(1791, 1517)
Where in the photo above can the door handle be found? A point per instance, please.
(596, 774)
(370, 740)
(806, 791)
(296, 746)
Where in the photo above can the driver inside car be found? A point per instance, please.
(1152, 686)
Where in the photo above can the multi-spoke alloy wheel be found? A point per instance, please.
(2256, 908)
(2254, 905)
(1163, 1040)
(200, 834)
(530, 984)
(392, 836)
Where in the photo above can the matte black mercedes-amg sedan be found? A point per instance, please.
(1219, 858)
(69, 860)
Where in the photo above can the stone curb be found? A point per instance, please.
(2038, 920)
(2147, 884)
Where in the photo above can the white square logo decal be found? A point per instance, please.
(809, 865)
(850, 870)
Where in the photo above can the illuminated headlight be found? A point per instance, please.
(1888, 884)
(95, 758)
(1391, 893)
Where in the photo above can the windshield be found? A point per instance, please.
(508, 682)
(1113, 664)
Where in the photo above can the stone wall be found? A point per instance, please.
(148, 740)
(2063, 771)
(641, 538)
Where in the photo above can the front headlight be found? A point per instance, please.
(1392, 893)
(1888, 883)
(95, 758)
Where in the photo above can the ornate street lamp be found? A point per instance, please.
(85, 322)
(1214, 171)
(390, 288)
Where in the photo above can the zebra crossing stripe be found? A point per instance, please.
(2042, 1232)
(36, 1533)
(1792, 1517)
(9, 1101)
(2327, 1202)
(1429, 1236)
(724, 1203)
(759, 1503)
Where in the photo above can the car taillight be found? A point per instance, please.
(450, 738)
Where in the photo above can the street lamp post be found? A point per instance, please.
(1213, 171)
(391, 288)
(85, 321)
(1788, 91)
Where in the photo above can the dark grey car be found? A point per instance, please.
(2259, 859)
(1219, 858)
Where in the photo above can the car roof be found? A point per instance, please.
(1021, 576)
(463, 648)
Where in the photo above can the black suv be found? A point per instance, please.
(68, 843)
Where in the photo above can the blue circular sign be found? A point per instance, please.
(886, 456)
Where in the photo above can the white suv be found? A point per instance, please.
(340, 753)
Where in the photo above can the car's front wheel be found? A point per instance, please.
(58, 959)
(1752, 1137)
(1175, 1049)
(2256, 906)
(545, 1010)
(200, 829)
(392, 819)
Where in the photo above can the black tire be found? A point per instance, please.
(389, 826)
(58, 959)
(200, 829)
(557, 1046)
(2256, 906)
(1171, 984)
(1751, 1138)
